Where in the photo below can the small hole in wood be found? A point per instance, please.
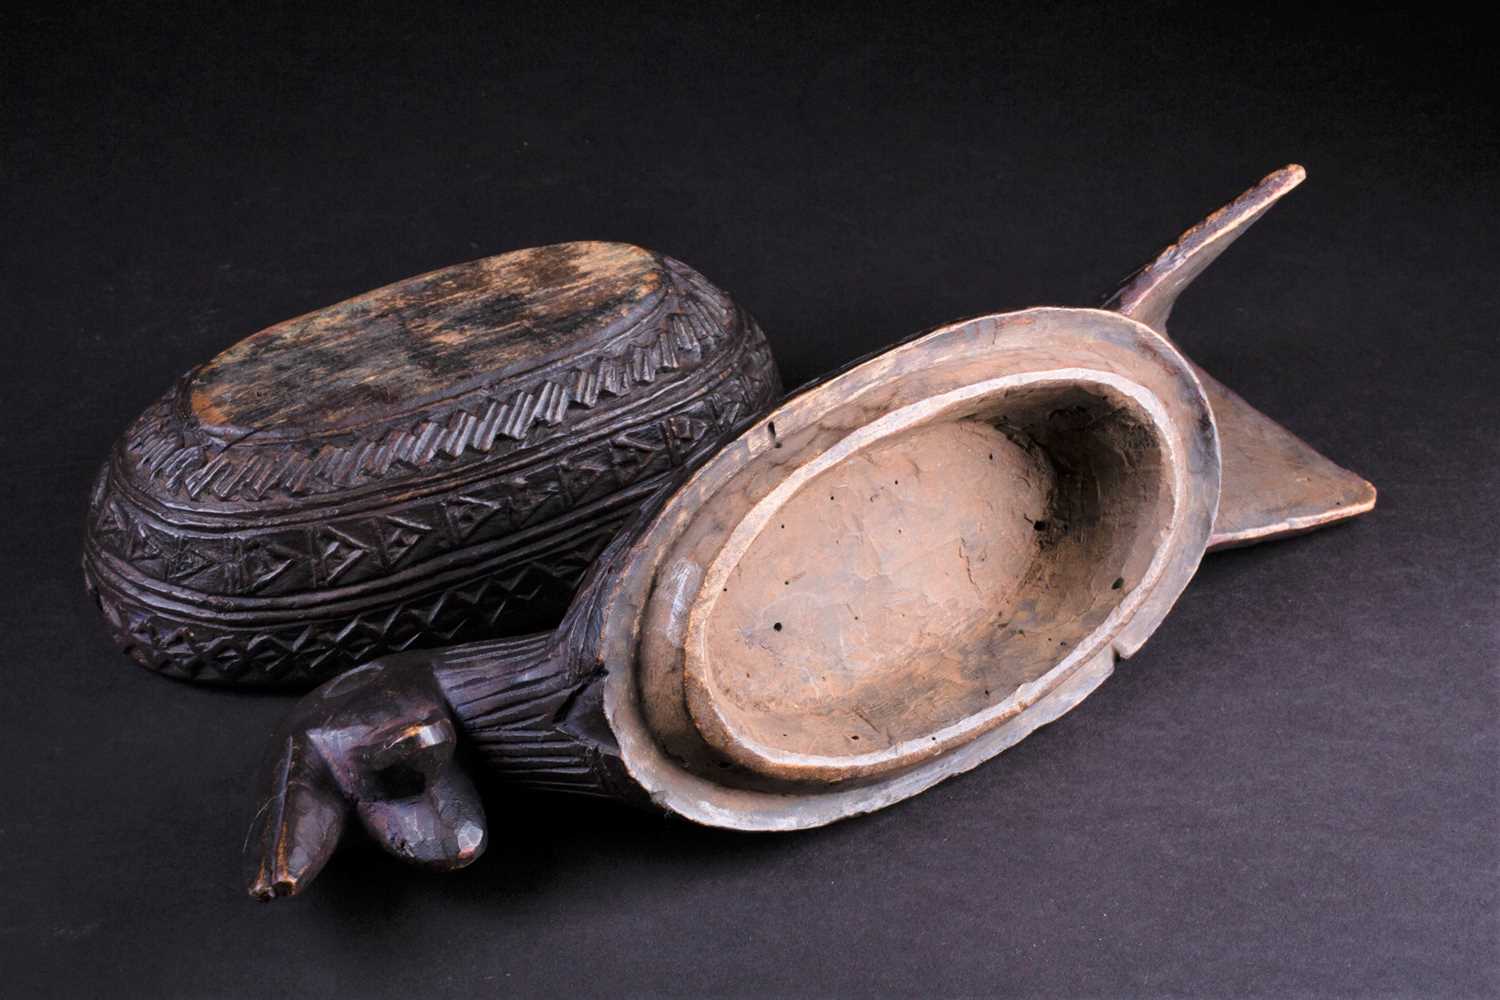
(400, 781)
(777, 626)
(1119, 582)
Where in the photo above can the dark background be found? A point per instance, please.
(1291, 791)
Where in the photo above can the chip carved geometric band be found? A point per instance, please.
(177, 614)
(507, 499)
(166, 445)
(311, 650)
(307, 648)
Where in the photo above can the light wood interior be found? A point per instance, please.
(927, 577)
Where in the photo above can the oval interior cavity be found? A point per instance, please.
(924, 580)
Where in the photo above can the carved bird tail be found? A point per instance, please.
(1275, 484)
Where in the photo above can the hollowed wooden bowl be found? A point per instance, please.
(432, 462)
(887, 579)
(896, 573)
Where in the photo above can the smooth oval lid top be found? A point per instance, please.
(404, 343)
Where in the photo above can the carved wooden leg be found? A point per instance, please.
(377, 742)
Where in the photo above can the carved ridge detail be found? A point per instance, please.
(165, 445)
(340, 551)
(475, 516)
(208, 647)
(514, 698)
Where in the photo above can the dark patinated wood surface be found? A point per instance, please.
(435, 461)
(890, 578)
(887, 580)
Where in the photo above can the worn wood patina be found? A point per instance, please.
(1275, 484)
(431, 462)
(886, 580)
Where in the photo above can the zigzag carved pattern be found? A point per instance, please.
(362, 547)
(306, 653)
(168, 449)
(232, 598)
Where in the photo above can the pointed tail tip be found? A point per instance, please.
(1283, 179)
(1266, 192)
(1148, 294)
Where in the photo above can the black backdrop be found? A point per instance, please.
(1291, 791)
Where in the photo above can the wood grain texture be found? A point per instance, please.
(658, 689)
(426, 501)
(1077, 454)
(1086, 395)
(1275, 484)
(398, 346)
(897, 573)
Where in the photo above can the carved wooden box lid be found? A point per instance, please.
(433, 461)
